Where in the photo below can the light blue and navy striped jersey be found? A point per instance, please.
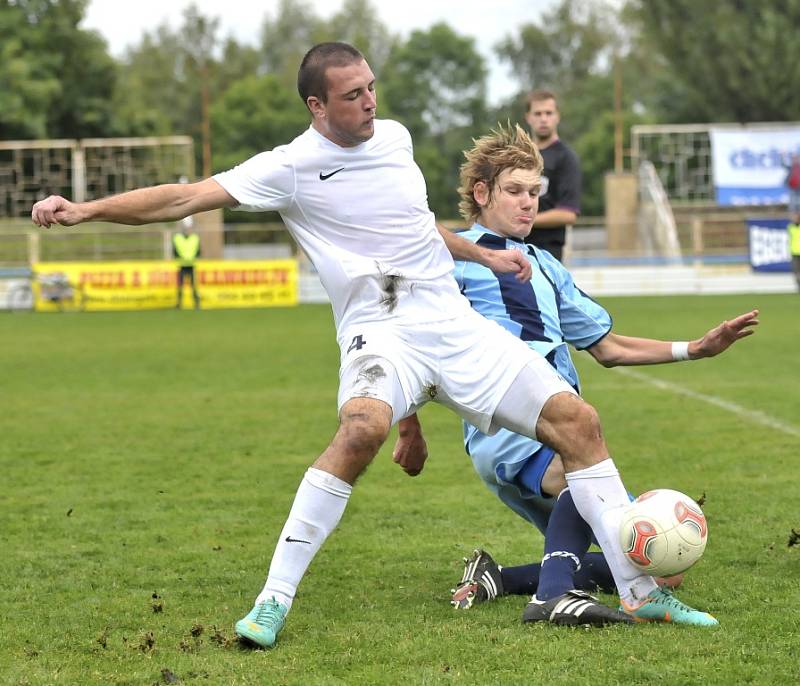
(547, 312)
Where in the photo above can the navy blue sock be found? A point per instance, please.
(566, 542)
(593, 575)
(521, 580)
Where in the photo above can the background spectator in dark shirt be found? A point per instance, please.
(560, 197)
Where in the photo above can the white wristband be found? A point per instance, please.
(680, 351)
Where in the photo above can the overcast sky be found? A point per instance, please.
(488, 21)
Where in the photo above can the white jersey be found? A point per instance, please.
(361, 215)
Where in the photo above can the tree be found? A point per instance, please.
(27, 86)
(571, 52)
(736, 61)
(357, 23)
(287, 36)
(150, 98)
(295, 28)
(56, 79)
(169, 81)
(435, 83)
(256, 113)
(572, 42)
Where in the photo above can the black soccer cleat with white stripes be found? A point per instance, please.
(480, 582)
(573, 608)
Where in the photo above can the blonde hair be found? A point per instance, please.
(503, 148)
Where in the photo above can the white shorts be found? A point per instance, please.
(467, 363)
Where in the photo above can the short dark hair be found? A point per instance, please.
(311, 75)
(540, 95)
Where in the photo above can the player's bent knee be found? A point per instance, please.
(569, 424)
(554, 480)
(362, 439)
(363, 428)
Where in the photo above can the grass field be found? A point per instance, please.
(148, 461)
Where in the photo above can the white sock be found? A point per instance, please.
(601, 498)
(317, 509)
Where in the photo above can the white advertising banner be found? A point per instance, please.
(748, 164)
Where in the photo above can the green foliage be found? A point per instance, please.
(162, 78)
(236, 62)
(56, 79)
(149, 461)
(722, 61)
(570, 52)
(151, 96)
(595, 146)
(168, 78)
(358, 23)
(435, 83)
(256, 113)
(680, 61)
(295, 28)
(287, 36)
(571, 42)
(25, 86)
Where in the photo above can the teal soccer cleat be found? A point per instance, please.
(262, 623)
(662, 606)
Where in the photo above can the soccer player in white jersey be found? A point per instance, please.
(353, 198)
(499, 193)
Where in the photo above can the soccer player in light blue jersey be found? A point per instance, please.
(500, 181)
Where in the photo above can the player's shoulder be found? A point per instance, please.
(388, 129)
(471, 234)
(391, 127)
(285, 154)
(547, 262)
(565, 151)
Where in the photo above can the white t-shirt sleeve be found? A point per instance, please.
(405, 136)
(264, 182)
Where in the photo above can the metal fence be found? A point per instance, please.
(22, 244)
(681, 154)
(87, 169)
(713, 234)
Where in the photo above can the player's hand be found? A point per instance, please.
(55, 210)
(722, 337)
(509, 261)
(410, 451)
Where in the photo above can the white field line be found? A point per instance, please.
(753, 416)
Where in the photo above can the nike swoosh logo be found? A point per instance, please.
(289, 539)
(322, 176)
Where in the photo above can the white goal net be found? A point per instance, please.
(658, 235)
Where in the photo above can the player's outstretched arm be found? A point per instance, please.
(617, 350)
(722, 337)
(167, 202)
(500, 261)
(410, 451)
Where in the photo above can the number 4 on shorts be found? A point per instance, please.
(358, 343)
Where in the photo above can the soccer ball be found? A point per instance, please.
(663, 532)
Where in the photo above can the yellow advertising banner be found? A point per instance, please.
(96, 286)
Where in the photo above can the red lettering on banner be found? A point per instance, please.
(102, 279)
(137, 279)
(243, 277)
(161, 278)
